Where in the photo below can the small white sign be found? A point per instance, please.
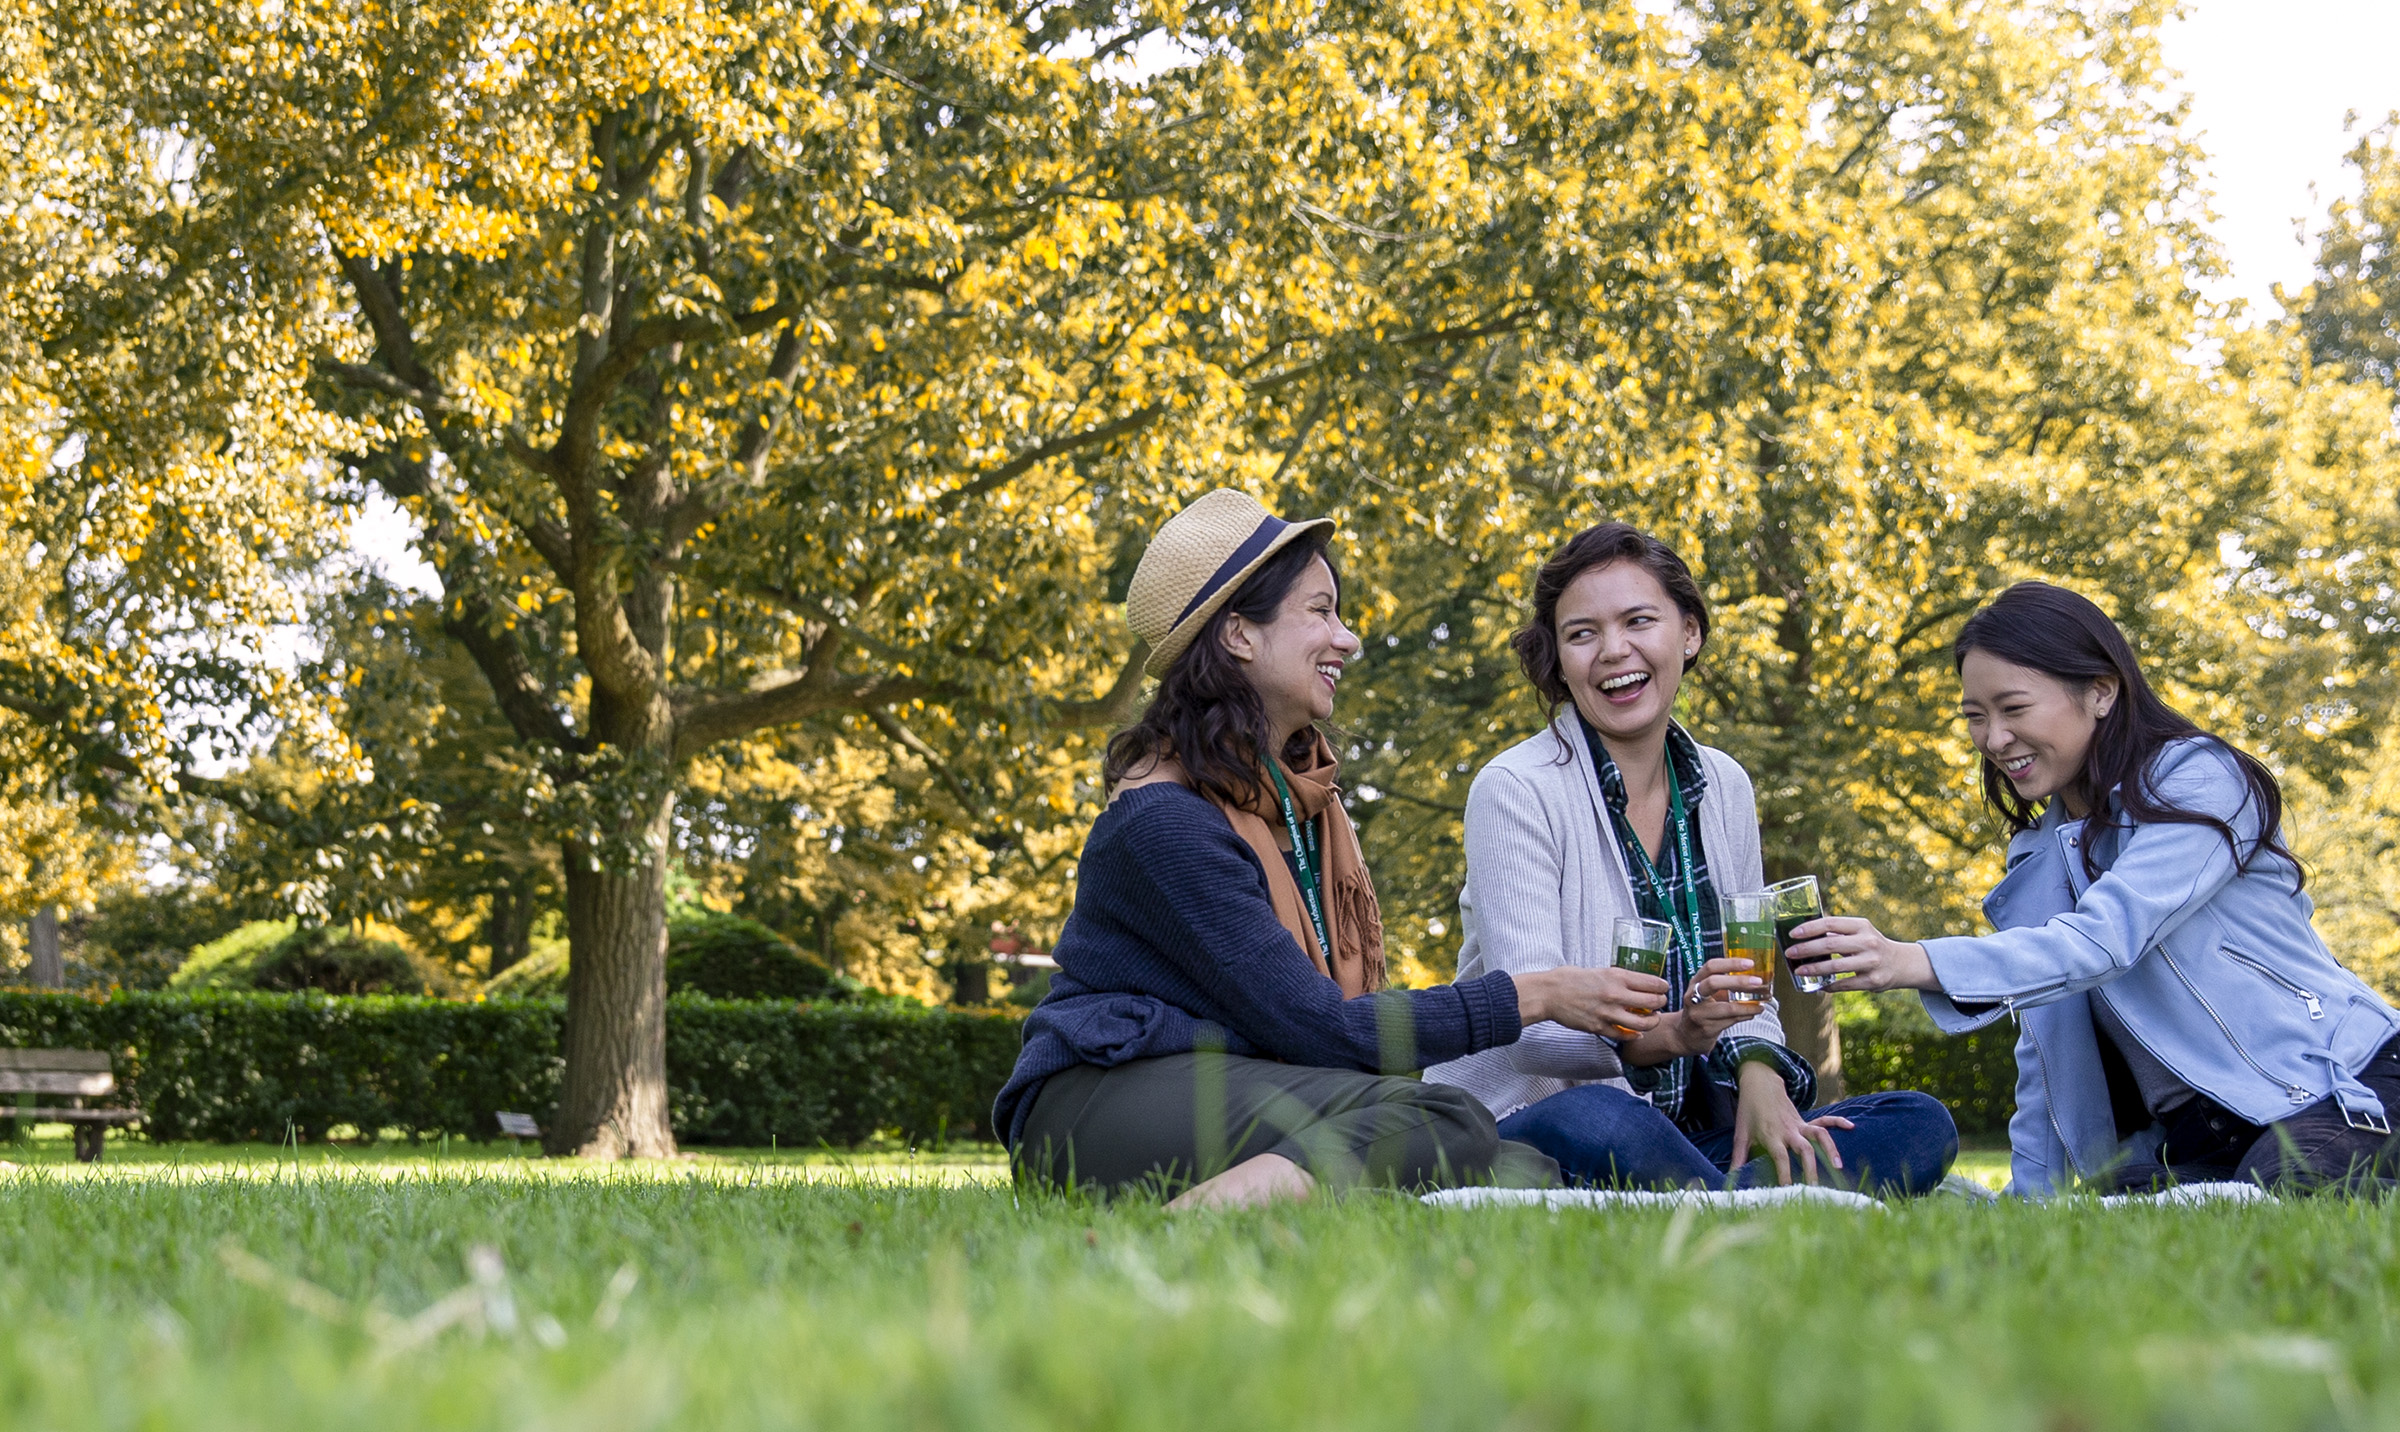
(519, 1126)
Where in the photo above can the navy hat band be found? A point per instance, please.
(1243, 556)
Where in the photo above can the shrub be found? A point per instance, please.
(753, 1072)
(224, 962)
(137, 938)
(339, 962)
(1975, 1074)
(273, 955)
(721, 956)
(540, 975)
(728, 957)
(227, 1065)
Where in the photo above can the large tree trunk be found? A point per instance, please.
(509, 928)
(49, 966)
(613, 1103)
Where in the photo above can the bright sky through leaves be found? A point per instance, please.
(2271, 81)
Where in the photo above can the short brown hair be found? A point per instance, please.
(1536, 642)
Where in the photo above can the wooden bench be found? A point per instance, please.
(64, 1074)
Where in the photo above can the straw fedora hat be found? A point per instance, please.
(1195, 564)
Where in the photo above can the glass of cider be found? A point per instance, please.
(1750, 935)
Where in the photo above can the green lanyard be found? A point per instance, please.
(1681, 901)
(1304, 855)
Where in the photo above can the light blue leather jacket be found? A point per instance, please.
(2217, 972)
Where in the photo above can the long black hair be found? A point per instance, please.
(1206, 714)
(2064, 636)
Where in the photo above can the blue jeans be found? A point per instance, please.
(1903, 1143)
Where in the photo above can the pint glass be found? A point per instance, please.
(1750, 935)
(1642, 946)
(1797, 903)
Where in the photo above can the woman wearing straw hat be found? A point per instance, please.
(1218, 1023)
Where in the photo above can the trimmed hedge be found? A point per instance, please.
(235, 1066)
(753, 1072)
(1975, 1074)
(242, 1066)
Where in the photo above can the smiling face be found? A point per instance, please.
(1622, 647)
(2033, 726)
(1295, 661)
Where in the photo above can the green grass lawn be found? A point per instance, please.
(190, 1286)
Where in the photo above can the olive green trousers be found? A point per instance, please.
(1165, 1124)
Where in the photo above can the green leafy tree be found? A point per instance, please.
(747, 365)
(2350, 312)
(1949, 340)
(443, 838)
(783, 396)
(2321, 575)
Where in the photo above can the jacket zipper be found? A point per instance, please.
(2316, 1006)
(2292, 1092)
(2050, 1100)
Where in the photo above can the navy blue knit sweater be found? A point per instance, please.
(1173, 942)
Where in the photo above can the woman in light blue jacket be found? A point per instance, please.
(2179, 1018)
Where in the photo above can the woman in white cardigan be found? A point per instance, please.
(1615, 811)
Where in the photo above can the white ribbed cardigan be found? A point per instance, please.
(1546, 881)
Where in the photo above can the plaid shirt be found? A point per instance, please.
(1669, 1085)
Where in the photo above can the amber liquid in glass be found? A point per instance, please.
(1755, 943)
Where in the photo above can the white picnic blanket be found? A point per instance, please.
(1558, 1198)
(2187, 1195)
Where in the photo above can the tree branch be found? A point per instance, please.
(696, 508)
(471, 617)
(475, 622)
(555, 546)
(359, 375)
(908, 740)
(384, 317)
(1308, 424)
(1033, 457)
(958, 106)
(93, 749)
(1406, 798)
(647, 165)
(369, 138)
(1117, 706)
(704, 723)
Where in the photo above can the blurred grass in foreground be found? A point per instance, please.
(789, 1291)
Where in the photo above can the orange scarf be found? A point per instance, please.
(1353, 921)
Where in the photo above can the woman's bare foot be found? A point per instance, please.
(1250, 1183)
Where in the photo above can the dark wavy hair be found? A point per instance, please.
(1206, 713)
(2065, 637)
(1536, 642)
